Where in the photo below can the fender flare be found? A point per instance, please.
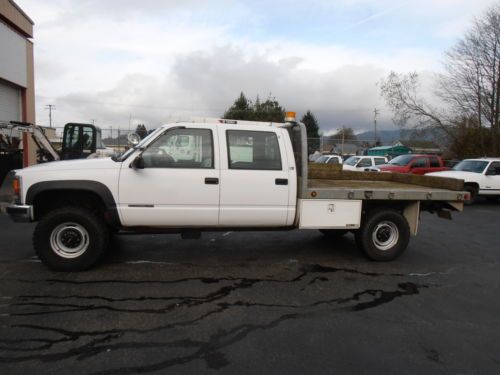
(91, 186)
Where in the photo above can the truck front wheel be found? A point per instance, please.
(70, 239)
(384, 235)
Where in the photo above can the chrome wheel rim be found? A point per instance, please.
(385, 235)
(69, 240)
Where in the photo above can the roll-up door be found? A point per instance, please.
(10, 102)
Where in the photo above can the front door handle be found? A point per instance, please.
(281, 181)
(211, 181)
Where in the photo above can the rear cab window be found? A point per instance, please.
(253, 150)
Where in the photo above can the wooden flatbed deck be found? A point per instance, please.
(332, 183)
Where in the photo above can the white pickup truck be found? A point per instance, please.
(481, 177)
(216, 175)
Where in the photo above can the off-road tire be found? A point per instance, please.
(373, 226)
(96, 228)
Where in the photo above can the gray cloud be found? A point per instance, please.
(206, 83)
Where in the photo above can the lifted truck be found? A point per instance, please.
(217, 175)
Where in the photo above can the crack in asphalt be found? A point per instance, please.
(209, 350)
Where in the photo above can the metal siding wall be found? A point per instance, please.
(10, 103)
(13, 61)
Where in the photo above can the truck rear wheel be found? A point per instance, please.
(384, 235)
(70, 239)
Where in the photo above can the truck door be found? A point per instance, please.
(492, 178)
(419, 166)
(179, 185)
(254, 178)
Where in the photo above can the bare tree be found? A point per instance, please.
(469, 88)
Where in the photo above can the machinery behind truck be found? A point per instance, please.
(79, 141)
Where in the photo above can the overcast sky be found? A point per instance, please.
(155, 61)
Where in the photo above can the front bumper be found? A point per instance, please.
(20, 213)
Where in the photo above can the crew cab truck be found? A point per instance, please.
(415, 164)
(238, 176)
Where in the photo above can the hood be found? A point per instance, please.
(80, 164)
(462, 175)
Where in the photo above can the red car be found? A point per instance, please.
(416, 164)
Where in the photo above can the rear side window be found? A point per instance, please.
(379, 161)
(434, 162)
(253, 150)
(419, 163)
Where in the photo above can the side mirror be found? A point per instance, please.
(138, 163)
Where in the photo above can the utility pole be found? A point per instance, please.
(343, 137)
(376, 112)
(50, 107)
(93, 121)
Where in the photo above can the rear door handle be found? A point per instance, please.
(281, 181)
(211, 181)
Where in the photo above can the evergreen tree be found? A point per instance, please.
(242, 109)
(313, 136)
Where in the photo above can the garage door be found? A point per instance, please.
(10, 103)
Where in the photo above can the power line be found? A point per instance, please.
(50, 107)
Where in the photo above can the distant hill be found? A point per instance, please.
(385, 136)
(391, 136)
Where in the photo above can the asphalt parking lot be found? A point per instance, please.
(259, 302)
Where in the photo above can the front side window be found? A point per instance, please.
(494, 169)
(365, 162)
(253, 150)
(352, 161)
(181, 148)
(333, 160)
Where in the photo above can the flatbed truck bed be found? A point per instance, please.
(377, 190)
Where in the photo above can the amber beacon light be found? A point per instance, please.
(290, 116)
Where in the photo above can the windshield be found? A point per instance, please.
(141, 144)
(401, 160)
(352, 160)
(476, 166)
(322, 159)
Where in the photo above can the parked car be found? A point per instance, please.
(363, 163)
(481, 176)
(416, 164)
(329, 159)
